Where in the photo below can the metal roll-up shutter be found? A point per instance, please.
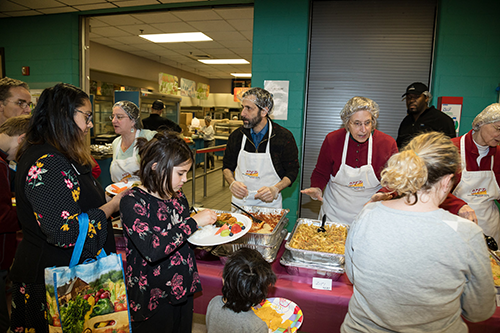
(373, 49)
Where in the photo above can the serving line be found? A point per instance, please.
(323, 310)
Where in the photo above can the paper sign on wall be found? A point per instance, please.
(188, 88)
(202, 91)
(279, 89)
(169, 84)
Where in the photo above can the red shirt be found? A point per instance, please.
(330, 155)
(452, 203)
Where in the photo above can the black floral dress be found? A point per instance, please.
(160, 263)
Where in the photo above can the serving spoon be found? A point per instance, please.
(322, 228)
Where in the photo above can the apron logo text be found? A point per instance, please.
(356, 184)
(481, 191)
(252, 173)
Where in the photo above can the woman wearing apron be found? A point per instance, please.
(350, 162)
(127, 123)
(477, 184)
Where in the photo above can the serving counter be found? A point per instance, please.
(324, 311)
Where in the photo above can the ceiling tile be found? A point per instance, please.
(101, 5)
(241, 24)
(226, 35)
(235, 13)
(248, 34)
(156, 17)
(109, 32)
(118, 20)
(57, 10)
(237, 43)
(208, 26)
(95, 22)
(6, 6)
(141, 53)
(131, 40)
(196, 15)
(79, 2)
(130, 3)
(137, 29)
(105, 41)
(174, 27)
(35, 4)
(23, 13)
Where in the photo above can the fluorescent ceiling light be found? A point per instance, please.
(242, 74)
(223, 61)
(177, 38)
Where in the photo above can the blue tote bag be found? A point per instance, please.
(90, 297)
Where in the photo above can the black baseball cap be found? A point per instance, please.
(416, 88)
(158, 105)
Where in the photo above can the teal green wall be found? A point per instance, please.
(467, 55)
(280, 39)
(48, 44)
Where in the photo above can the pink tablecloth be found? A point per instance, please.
(324, 311)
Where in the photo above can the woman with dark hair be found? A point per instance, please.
(415, 267)
(161, 272)
(246, 279)
(54, 188)
(126, 119)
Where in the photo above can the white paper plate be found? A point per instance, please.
(218, 239)
(288, 311)
(111, 191)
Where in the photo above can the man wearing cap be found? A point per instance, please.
(155, 120)
(422, 117)
(261, 157)
(15, 99)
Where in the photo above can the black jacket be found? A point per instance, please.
(155, 120)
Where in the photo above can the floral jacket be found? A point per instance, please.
(51, 192)
(160, 264)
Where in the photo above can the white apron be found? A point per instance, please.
(256, 170)
(351, 188)
(480, 190)
(122, 167)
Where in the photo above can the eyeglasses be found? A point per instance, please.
(359, 124)
(88, 117)
(118, 116)
(496, 128)
(22, 103)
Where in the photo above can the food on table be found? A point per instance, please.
(495, 268)
(307, 237)
(270, 222)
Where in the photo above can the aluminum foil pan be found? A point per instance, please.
(268, 252)
(310, 269)
(322, 258)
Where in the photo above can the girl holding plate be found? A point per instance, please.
(161, 273)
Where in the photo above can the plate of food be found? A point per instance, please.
(280, 315)
(119, 187)
(227, 228)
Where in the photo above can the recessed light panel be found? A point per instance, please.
(242, 74)
(223, 61)
(177, 38)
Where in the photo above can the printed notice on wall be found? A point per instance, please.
(279, 90)
(454, 111)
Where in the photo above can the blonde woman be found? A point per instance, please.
(414, 266)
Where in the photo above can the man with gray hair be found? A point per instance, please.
(261, 157)
(15, 98)
(421, 117)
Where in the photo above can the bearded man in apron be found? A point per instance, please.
(477, 184)
(350, 162)
(261, 157)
